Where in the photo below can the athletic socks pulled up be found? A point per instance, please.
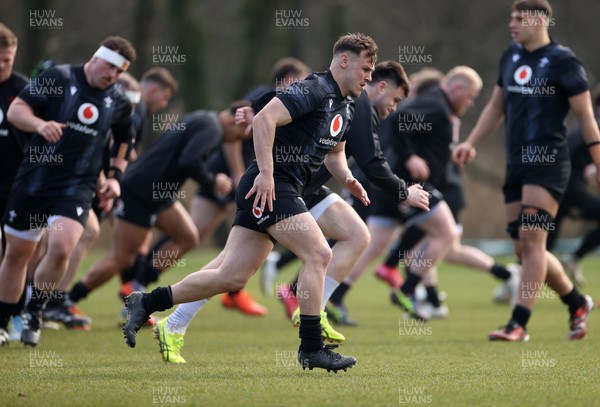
(159, 299)
(310, 333)
(574, 300)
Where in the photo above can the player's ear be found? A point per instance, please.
(344, 59)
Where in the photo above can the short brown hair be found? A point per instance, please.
(391, 71)
(7, 37)
(286, 67)
(533, 5)
(356, 43)
(128, 82)
(162, 77)
(121, 45)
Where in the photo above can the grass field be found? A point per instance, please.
(235, 360)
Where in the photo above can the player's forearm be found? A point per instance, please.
(22, 117)
(591, 135)
(264, 135)
(338, 166)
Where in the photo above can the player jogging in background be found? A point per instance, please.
(70, 108)
(539, 80)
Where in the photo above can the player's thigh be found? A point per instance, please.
(440, 223)
(341, 222)
(128, 237)
(301, 235)
(539, 197)
(207, 215)
(63, 234)
(175, 222)
(244, 252)
(382, 231)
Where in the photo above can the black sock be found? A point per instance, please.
(432, 296)
(393, 257)
(147, 273)
(340, 292)
(137, 267)
(78, 292)
(232, 293)
(159, 299)
(310, 333)
(20, 306)
(500, 272)
(521, 315)
(38, 298)
(410, 284)
(409, 239)
(6, 310)
(56, 298)
(574, 300)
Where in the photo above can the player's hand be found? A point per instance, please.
(51, 131)
(109, 190)
(417, 197)
(417, 168)
(244, 117)
(106, 205)
(357, 190)
(463, 153)
(223, 185)
(264, 187)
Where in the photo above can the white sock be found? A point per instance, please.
(328, 289)
(180, 319)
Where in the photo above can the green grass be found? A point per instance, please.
(235, 360)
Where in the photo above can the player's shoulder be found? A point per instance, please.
(560, 52)
(62, 71)
(321, 84)
(18, 79)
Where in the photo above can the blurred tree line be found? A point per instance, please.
(223, 48)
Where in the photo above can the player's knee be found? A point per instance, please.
(188, 240)
(321, 256)
(360, 237)
(60, 251)
(90, 234)
(533, 220)
(232, 284)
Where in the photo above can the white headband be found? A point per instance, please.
(133, 96)
(112, 57)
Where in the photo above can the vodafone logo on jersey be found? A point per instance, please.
(523, 74)
(257, 212)
(87, 113)
(336, 125)
(1, 116)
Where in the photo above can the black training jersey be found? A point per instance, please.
(321, 117)
(139, 117)
(70, 167)
(13, 142)
(174, 157)
(363, 144)
(421, 125)
(536, 88)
